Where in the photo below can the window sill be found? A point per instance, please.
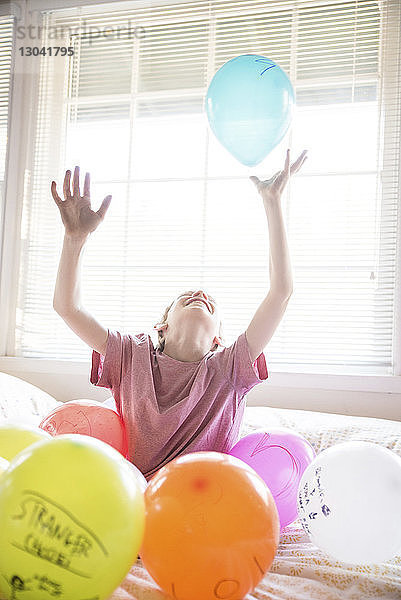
(284, 376)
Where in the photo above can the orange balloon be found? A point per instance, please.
(211, 527)
(88, 417)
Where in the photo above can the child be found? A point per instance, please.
(181, 396)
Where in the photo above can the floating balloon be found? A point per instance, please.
(212, 527)
(16, 437)
(88, 417)
(279, 456)
(349, 502)
(71, 520)
(249, 105)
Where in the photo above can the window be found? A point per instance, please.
(128, 107)
(6, 39)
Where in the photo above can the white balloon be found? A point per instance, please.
(349, 502)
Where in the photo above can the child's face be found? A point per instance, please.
(205, 307)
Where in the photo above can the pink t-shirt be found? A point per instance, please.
(171, 407)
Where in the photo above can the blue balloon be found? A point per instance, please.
(249, 105)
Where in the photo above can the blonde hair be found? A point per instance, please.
(162, 341)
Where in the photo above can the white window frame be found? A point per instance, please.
(22, 116)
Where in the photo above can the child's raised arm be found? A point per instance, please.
(79, 222)
(270, 312)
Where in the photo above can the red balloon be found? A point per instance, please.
(88, 417)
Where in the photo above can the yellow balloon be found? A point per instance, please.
(72, 519)
(15, 437)
(3, 465)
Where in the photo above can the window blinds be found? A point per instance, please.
(6, 39)
(129, 109)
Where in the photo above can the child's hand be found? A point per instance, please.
(76, 213)
(271, 189)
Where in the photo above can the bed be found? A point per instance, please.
(300, 571)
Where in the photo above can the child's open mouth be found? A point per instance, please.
(198, 301)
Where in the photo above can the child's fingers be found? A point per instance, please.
(301, 157)
(287, 160)
(55, 195)
(66, 185)
(75, 183)
(256, 181)
(302, 162)
(104, 206)
(299, 162)
(87, 185)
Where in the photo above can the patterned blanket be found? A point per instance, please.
(300, 571)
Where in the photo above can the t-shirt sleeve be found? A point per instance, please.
(106, 370)
(235, 363)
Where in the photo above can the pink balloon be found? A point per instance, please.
(88, 417)
(279, 456)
